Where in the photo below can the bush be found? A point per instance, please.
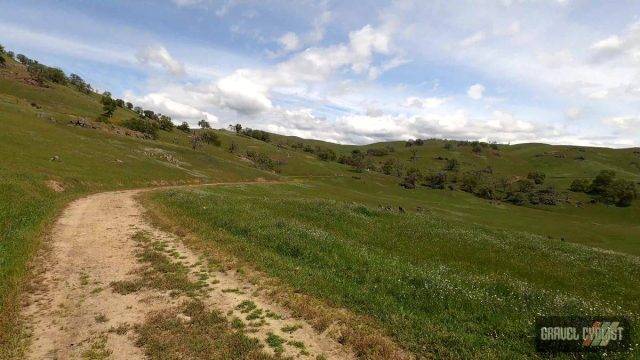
(452, 165)
(145, 126)
(602, 181)
(209, 137)
(377, 152)
(621, 192)
(257, 134)
(537, 177)
(412, 177)
(262, 161)
(165, 123)
(44, 73)
(436, 181)
(579, 185)
(184, 127)
(326, 154)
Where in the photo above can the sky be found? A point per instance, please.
(356, 72)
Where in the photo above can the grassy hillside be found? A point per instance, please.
(440, 287)
(478, 268)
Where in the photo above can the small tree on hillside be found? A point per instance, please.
(2, 61)
(108, 106)
(165, 123)
(184, 127)
(204, 124)
(237, 128)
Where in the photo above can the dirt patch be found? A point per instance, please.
(77, 311)
(54, 185)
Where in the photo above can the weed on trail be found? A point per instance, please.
(159, 272)
(207, 335)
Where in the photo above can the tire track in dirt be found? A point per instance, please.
(74, 311)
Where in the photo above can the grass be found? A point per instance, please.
(159, 272)
(207, 336)
(442, 288)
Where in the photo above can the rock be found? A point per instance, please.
(55, 158)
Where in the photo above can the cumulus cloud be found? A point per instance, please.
(159, 55)
(241, 93)
(368, 128)
(165, 104)
(476, 92)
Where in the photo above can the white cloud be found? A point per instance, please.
(421, 103)
(624, 122)
(573, 113)
(159, 55)
(476, 92)
(289, 41)
(473, 39)
(241, 93)
(165, 104)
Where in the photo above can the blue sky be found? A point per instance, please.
(555, 71)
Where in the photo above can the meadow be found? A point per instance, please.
(439, 287)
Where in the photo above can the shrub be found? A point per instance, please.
(326, 154)
(537, 177)
(257, 134)
(209, 137)
(470, 181)
(436, 181)
(579, 185)
(452, 165)
(601, 183)
(621, 192)
(377, 152)
(411, 178)
(262, 161)
(184, 127)
(165, 123)
(145, 126)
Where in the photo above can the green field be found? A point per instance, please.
(440, 287)
(452, 275)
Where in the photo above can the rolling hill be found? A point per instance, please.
(474, 271)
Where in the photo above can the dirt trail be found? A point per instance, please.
(75, 310)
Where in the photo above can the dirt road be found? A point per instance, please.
(75, 311)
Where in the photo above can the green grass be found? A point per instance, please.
(207, 336)
(439, 286)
